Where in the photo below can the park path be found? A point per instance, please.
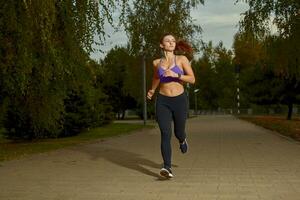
(227, 159)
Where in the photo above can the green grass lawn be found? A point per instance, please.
(280, 124)
(16, 149)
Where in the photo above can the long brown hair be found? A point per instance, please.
(182, 47)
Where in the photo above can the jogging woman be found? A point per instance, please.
(170, 72)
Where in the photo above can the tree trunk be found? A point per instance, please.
(290, 112)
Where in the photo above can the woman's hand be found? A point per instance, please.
(170, 73)
(150, 94)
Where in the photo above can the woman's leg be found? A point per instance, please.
(164, 119)
(180, 110)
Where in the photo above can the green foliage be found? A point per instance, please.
(117, 80)
(283, 56)
(269, 71)
(85, 108)
(279, 62)
(32, 80)
(285, 18)
(215, 78)
(248, 50)
(257, 19)
(261, 86)
(44, 48)
(149, 19)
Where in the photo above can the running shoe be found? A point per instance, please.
(167, 173)
(183, 146)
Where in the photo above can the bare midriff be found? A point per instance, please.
(171, 89)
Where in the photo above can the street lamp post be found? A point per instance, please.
(144, 82)
(195, 94)
(237, 71)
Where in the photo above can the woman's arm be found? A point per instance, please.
(189, 76)
(155, 81)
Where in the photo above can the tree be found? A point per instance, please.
(216, 79)
(249, 52)
(44, 48)
(226, 80)
(283, 47)
(116, 80)
(149, 19)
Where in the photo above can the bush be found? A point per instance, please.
(85, 109)
(21, 122)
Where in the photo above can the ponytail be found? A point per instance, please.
(183, 47)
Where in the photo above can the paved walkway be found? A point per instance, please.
(228, 159)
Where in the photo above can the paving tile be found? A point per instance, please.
(227, 159)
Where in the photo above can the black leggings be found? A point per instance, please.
(168, 109)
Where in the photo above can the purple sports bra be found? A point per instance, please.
(167, 79)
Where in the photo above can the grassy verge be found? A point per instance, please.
(290, 128)
(16, 149)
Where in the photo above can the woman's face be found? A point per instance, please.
(168, 43)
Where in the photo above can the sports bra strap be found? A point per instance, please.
(160, 61)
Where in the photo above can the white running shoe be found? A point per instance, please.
(167, 173)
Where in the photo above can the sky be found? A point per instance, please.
(218, 19)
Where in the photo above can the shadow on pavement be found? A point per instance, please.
(123, 158)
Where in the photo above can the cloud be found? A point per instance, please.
(218, 19)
